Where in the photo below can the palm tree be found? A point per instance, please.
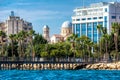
(31, 34)
(86, 47)
(107, 39)
(12, 38)
(2, 36)
(115, 30)
(21, 37)
(72, 39)
(99, 27)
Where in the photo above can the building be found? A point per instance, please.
(86, 19)
(15, 24)
(66, 31)
(46, 32)
(57, 38)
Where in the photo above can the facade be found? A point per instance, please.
(14, 24)
(46, 32)
(66, 31)
(86, 19)
(56, 38)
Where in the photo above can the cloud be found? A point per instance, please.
(31, 15)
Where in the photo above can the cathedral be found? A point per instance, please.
(66, 31)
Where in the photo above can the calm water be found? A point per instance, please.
(59, 75)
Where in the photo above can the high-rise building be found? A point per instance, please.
(86, 19)
(46, 32)
(15, 24)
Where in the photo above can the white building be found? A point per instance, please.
(86, 19)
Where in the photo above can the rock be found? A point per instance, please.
(88, 66)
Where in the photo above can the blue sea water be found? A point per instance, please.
(59, 75)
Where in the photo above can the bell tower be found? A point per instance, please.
(46, 32)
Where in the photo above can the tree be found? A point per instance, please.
(2, 37)
(21, 37)
(37, 41)
(31, 34)
(106, 38)
(115, 30)
(72, 40)
(86, 47)
(12, 38)
(99, 27)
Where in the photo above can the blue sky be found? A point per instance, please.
(43, 12)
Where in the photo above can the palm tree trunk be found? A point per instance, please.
(12, 48)
(116, 46)
(106, 48)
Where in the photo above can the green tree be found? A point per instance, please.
(115, 31)
(21, 37)
(72, 39)
(12, 38)
(31, 34)
(100, 28)
(2, 37)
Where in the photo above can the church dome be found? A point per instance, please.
(67, 24)
(45, 26)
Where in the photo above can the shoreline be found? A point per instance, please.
(104, 66)
(61, 66)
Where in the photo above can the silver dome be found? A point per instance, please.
(67, 24)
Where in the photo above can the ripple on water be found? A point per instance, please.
(59, 74)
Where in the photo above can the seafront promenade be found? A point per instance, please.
(37, 64)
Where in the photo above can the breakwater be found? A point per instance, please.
(104, 66)
(36, 65)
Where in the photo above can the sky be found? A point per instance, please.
(43, 12)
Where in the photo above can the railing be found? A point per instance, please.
(37, 59)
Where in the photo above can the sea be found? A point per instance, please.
(59, 75)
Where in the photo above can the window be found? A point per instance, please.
(83, 19)
(77, 19)
(105, 18)
(105, 9)
(113, 17)
(100, 17)
(78, 29)
(101, 23)
(94, 18)
(95, 31)
(89, 30)
(83, 29)
(89, 18)
(105, 24)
